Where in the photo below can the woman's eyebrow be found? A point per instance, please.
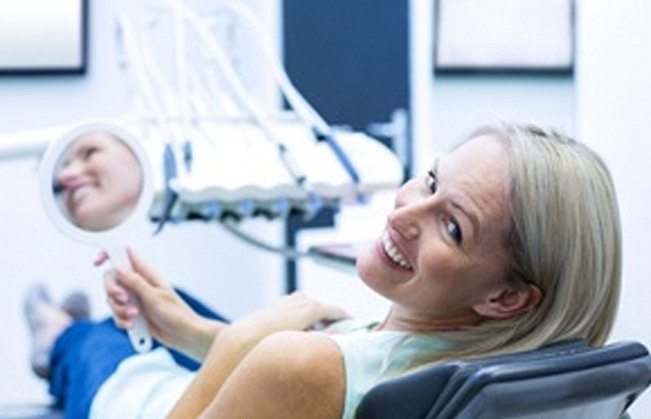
(456, 204)
(474, 220)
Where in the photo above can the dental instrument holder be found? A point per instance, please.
(113, 240)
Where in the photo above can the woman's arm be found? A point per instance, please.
(233, 353)
(222, 347)
(287, 375)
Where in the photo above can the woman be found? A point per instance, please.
(510, 242)
(96, 196)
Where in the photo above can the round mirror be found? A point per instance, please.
(96, 183)
(96, 188)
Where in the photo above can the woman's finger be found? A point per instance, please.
(143, 269)
(119, 296)
(122, 324)
(134, 282)
(123, 315)
(113, 289)
(100, 259)
(332, 312)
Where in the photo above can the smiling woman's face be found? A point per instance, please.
(100, 181)
(444, 249)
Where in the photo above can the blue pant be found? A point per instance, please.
(87, 353)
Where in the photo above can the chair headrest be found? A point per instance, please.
(429, 392)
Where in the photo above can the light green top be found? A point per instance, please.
(373, 356)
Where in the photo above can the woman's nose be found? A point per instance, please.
(67, 175)
(408, 214)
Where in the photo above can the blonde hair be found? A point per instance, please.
(565, 238)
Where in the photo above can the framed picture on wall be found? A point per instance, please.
(504, 36)
(43, 36)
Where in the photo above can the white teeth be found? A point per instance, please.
(394, 254)
(79, 193)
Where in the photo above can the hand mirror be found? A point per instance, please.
(96, 188)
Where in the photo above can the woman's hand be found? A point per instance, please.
(296, 311)
(169, 318)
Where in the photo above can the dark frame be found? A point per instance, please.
(78, 69)
(447, 65)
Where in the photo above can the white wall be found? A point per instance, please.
(613, 94)
(26, 102)
(445, 108)
(200, 257)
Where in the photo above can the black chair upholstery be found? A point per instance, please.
(565, 380)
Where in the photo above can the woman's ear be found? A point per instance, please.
(510, 300)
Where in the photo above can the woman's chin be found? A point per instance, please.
(90, 222)
(378, 271)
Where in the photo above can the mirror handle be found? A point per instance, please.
(139, 334)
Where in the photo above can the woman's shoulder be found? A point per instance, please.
(294, 374)
(301, 352)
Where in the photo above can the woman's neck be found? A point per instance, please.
(400, 319)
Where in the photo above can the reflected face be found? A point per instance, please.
(100, 181)
(444, 248)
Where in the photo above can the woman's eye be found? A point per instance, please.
(431, 181)
(89, 152)
(454, 231)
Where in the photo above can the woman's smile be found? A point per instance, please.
(393, 253)
(79, 193)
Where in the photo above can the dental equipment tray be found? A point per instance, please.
(235, 171)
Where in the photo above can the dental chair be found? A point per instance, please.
(568, 380)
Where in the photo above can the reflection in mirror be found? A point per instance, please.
(97, 181)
